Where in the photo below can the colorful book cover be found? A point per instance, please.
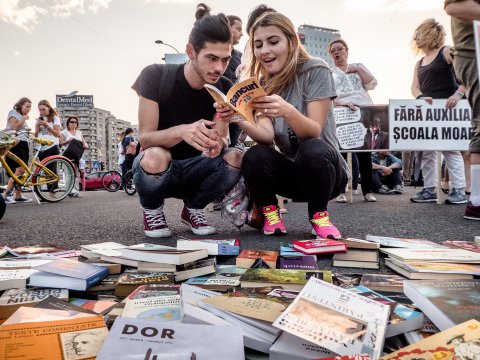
(225, 277)
(76, 269)
(282, 276)
(410, 243)
(319, 246)
(383, 282)
(466, 245)
(154, 290)
(306, 262)
(461, 342)
(286, 249)
(337, 319)
(247, 257)
(159, 308)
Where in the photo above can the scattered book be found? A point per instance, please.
(97, 306)
(129, 281)
(383, 282)
(35, 250)
(319, 246)
(354, 243)
(14, 263)
(226, 277)
(165, 308)
(144, 266)
(153, 290)
(287, 279)
(428, 270)
(16, 278)
(445, 302)
(57, 304)
(337, 319)
(195, 268)
(247, 258)
(458, 342)
(146, 339)
(239, 98)
(213, 246)
(67, 274)
(437, 255)
(104, 248)
(466, 245)
(106, 284)
(12, 299)
(53, 340)
(162, 254)
(409, 243)
(357, 258)
(402, 318)
(286, 249)
(305, 262)
(113, 268)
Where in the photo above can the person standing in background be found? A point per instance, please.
(17, 118)
(121, 157)
(352, 83)
(433, 78)
(463, 13)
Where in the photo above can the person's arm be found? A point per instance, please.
(466, 10)
(63, 139)
(460, 91)
(197, 134)
(416, 92)
(17, 123)
(85, 145)
(396, 163)
(368, 80)
(56, 129)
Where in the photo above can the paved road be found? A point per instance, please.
(102, 216)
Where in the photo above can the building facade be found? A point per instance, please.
(316, 40)
(100, 129)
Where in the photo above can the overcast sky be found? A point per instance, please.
(98, 47)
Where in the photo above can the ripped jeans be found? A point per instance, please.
(197, 181)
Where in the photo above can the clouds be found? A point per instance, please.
(391, 6)
(27, 15)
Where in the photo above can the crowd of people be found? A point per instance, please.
(192, 152)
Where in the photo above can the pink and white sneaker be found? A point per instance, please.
(323, 227)
(272, 221)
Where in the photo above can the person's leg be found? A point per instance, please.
(429, 173)
(407, 159)
(21, 150)
(355, 171)
(456, 170)
(365, 166)
(466, 166)
(376, 180)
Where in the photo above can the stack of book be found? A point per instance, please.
(292, 259)
(360, 254)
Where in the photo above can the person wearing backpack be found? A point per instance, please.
(184, 152)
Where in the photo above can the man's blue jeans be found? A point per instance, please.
(197, 181)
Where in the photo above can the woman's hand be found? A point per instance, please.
(452, 101)
(272, 106)
(224, 112)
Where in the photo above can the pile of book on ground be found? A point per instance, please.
(152, 302)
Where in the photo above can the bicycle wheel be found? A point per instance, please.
(112, 181)
(130, 188)
(54, 179)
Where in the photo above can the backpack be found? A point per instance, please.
(167, 78)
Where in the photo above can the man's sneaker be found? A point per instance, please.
(370, 197)
(195, 218)
(398, 189)
(385, 190)
(9, 199)
(472, 212)
(323, 227)
(455, 197)
(341, 198)
(154, 223)
(22, 199)
(272, 221)
(424, 196)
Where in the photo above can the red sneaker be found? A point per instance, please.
(472, 212)
(154, 223)
(272, 221)
(195, 218)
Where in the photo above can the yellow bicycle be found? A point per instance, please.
(52, 178)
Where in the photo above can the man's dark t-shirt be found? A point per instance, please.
(185, 105)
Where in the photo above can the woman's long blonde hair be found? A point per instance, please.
(275, 84)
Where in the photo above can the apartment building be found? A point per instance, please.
(316, 40)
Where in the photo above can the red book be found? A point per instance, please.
(319, 246)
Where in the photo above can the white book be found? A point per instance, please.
(159, 308)
(105, 248)
(145, 339)
(290, 347)
(162, 254)
(437, 255)
(21, 264)
(16, 278)
(337, 319)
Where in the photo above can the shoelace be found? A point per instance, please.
(272, 217)
(322, 221)
(197, 216)
(155, 217)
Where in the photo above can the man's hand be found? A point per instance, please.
(200, 136)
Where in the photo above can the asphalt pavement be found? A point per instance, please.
(99, 216)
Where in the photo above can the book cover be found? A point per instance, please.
(306, 262)
(195, 268)
(445, 302)
(409, 243)
(129, 281)
(162, 254)
(105, 248)
(461, 342)
(247, 258)
(164, 308)
(224, 278)
(466, 245)
(213, 246)
(146, 339)
(79, 338)
(361, 258)
(355, 243)
(97, 306)
(319, 246)
(402, 318)
(35, 250)
(383, 282)
(437, 255)
(337, 319)
(239, 97)
(286, 249)
(288, 279)
(106, 284)
(16, 278)
(14, 263)
(442, 271)
(153, 290)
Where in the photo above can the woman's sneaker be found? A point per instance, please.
(22, 199)
(9, 199)
(272, 221)
(323, 227)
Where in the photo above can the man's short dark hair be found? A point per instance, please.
(209, 28)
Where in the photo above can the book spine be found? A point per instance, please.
(97, 277)
(224, 249)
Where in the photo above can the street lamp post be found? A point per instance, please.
(160, 42)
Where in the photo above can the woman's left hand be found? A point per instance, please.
(452, 101)
(272, 106)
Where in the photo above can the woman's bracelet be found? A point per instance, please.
(420, 96)
(459, 94)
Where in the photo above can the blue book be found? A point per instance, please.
(213, 246)
(402, 318)
(286, 249)
(67, 274)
